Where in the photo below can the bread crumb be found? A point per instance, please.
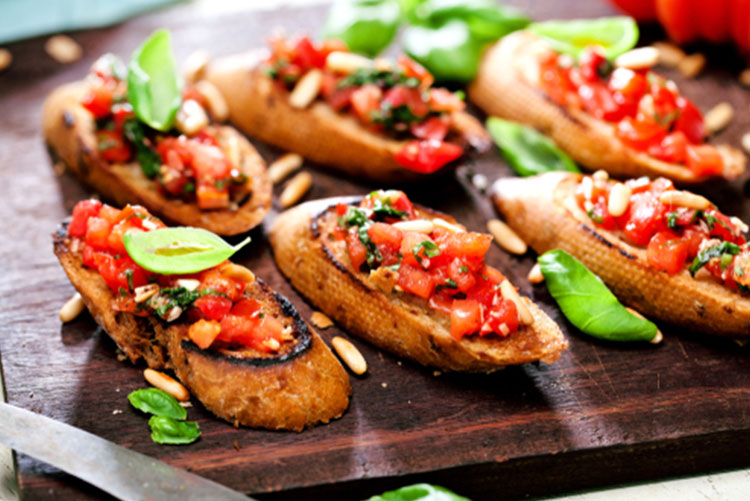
(384, 385)
(321, 320)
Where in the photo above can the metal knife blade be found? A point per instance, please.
(125, 474)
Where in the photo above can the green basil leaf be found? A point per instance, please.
(615, 35)
(173, 251)
(153, 83)
(366, 26)
(485, 18)
(587, 303)
(157, 402)
(527, 151)
(704, 256)
(167, 430)
(419, 492)
(450, 52)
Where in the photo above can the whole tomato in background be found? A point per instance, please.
(686, 20)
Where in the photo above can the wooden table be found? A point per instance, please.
(604, 413)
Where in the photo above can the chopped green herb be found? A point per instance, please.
(430, 250)
(189, 187)
(449, 284)
(706, 255)
(148, 158)
(672, 220)
(463, 269)
(383, 207)
(129, 277)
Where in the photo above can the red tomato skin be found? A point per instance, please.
(357, 250)
(667, 251)
(461, 274)
(365, 100)
(81, 214)
(432, 128)
(98, 99)
(673, 148)
(466, 318)
(694, 236)
(416, 281)
(115, 149)
(639, 135)
(504, 313)
(386, 237)
(640, 10)
(689, 121)
(704, 160)
(645, 217)
(427, 156)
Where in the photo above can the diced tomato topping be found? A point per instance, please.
(704, 160)
(639, 135)
(645, 217)
(462, 275)
(213, 307)
(673, 148)
(82, 211)
(385, 235)
(97, 232)
(357, 250)
(99, 97)
(366, 100)
(667, 252)
(689, 121)
(204, 332)
(466, 317)
(416, 281)
(445, 100)
(413, 69)
(307, 56)
(694, 237)
(432, 128)
(591, 62)
(427, 156)
(112, 146)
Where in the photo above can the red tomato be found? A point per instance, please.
(97, 232)
(445, 100)
(341, 98)
(403, 204)
(469, 246)
(639, 135)
(112, 146)
(689, 121)
(386, 236)
(641, 10)
(120, 113)
(462, 275)
(365, 100)
(631, 84)
(99, 97)
(411, 97)
(466, 317)
(645, 217)
(413, 69)
(357, 250)
(671, 149)
(667, 252)
(416, 281)
(422, 243)
(209, 196)
(204, 332)
(599, 102)
(432, 128)
(704, 160)
(504, 313)
(739, 23)
(694, 237)
(427, 156)
(81, 214)
(341, 208)
(590, 62)
(600, 215)
(213, 307)
(214, 280)
(723, 228)
(307, 56)
(115, 238)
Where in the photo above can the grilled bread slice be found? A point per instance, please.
(297, 387)
(70, 132)
(542, 210)
(261, 109)
(505, 87)
(318, 265)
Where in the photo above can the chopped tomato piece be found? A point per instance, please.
(639, 135)
(204, 332)
(112, 146)
(432, 128)
(213, 307)
(99, 97)
(689, 121)
(423, 244)
(471, 247)
(385, 235)
(704, 160)
(504, 313)
(307, 56)
(466, 317)
(667, 251)
(445, 100)
(211, 197)
(97, 232)
(413, 69)
(694, 237)
(671, 149)
(411, 97)
(462, 275)
(365, 100)
(632, 85)
(416, 281)
(427, 156)
(644, 217)
(357, 250)
(214, 280)
(592, 62)
(81, 214)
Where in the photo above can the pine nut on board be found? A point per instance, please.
(72, 308)
(506, 237)
(295, 189)
(283, 166)
(350, 355)
(166, 384)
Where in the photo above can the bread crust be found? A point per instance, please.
(502, 88)
(542, 211)
(70, 133)
(298, 388)
(261, 109)
(318, 266)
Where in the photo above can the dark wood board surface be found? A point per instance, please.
(603, 414)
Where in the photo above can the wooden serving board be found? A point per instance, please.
(604, 413)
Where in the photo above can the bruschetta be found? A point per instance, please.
(669, 254)
(241, 349)
(628, 122)
(196, 174)
(412, 282)
(372, 119)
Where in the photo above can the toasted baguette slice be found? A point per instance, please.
(542, 210)
(318, 265)
(70, 132)
(300, 386)
(261, 109)
(505, 87)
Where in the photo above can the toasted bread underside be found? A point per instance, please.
(542, 211)
(70, 132)
(502, 88)
(261, 108)
(294, 389)
(318, 265)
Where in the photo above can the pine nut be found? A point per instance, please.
(321, 320)
(295, 189)
(718, 117)
(638, 59)
(232, 149)
(307, 89)
(191, 117)
(685, 199)
(215, 101)
(658, 337)
(692, 65)
(173, 314)
(739, 224)
(144, 292)
(509, 292)
(669, 54)
(195, 65)
(188, 283)
(600, 175)
(347, 62)
(350, 355)
(72, 308)
(283, 166)
(451, 227)
(480, 182)
(619, 199)
(383, 64)
(744, 78)
(535, 274)
(506, 237)
(237, 272)
(63, 49)
(587, 187)
(746, 142)
(166, 384)
(5, 58)
(271, 343)
(415, 225)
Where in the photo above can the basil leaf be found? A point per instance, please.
(485, 18)
(157, 402)
(419, 492)
(384, 208)
(153, 84)
(615, 35)
(149, 159)
(366, 26)
(173, 251)
(706, 255)
(166, 430)
(527, 151)
(587, 303)
(450, 52)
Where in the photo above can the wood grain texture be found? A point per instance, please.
(604, 413)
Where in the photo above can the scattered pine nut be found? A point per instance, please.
(746, 142)
(415, 225)
(5, 58)
(451, 227)
(351, 356)
(215, 101)
(509, 292)
(669, 54)
(718, 117)
(166, 384)
(506, 237)
(638, 59)
(619, 199)
(307, 89)
(744, 78)
(347, 62)
(295, 189)
(535, 274)
(191, 117)
(195, 65)
(383, 64)
(63, 49)
(740, 224)
(685, 199)
(144, 292)
(480, 182)
(72, 308)
(190, 284)
(321, 320)
(658, 337)
(283, 166)
(238, 272)
(692, 65)
(600, 175)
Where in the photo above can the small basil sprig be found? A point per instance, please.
(168, 425)
(721, 250)
(366, 26)
(615, 35)
(527, 151)
(173, 251)
(167, 430)
(486, 19)
(153, 83)
(587, 303)
(430, 250)
(449, 52)
(419, 492)
(157, 402)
